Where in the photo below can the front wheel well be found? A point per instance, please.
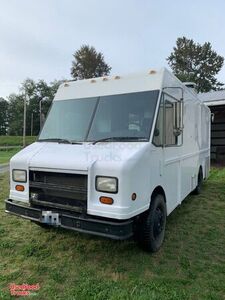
(158, 191)
(200, 171)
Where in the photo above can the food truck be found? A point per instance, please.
(115, 157)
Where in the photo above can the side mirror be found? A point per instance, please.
(177, 132)
(156, 132)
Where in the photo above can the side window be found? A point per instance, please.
(168, 129)
(170, 116)
(173, 126)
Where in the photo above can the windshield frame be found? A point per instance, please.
(93, 114)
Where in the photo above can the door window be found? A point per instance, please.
(168, 129)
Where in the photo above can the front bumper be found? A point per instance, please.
(114, 229)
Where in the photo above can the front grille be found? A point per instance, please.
(59, 189)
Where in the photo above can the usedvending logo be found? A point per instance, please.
(23, 289)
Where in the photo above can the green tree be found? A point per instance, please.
(35, 91)
(198, 63)
(15, 111)
(3, 116)
(88, 63)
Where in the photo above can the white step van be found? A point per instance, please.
(115, 157)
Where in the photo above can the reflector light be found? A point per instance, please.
(134, 196)
(20, 188)
(106, 200)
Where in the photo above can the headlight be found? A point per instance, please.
(106, 184)
(19, 175)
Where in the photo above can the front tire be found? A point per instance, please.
(198, 188)
(151, 229)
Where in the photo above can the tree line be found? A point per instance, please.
(12, 109)
(87, 63)
(189, 61)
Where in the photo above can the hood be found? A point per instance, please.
(77, 157)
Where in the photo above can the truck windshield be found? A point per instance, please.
(107, 117)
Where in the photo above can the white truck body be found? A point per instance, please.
(141, 167)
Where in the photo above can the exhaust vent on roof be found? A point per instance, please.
(191, 85)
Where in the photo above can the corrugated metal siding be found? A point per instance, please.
(212, 96)
(218, 134)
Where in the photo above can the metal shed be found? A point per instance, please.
(215, 100)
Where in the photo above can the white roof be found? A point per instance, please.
(115, 85)
(213, 98)
(109, 85)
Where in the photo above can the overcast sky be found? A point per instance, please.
(38, 37)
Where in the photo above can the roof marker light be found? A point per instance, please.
(92, 81)
(104, 79)
(151, 72)
(117, 77)
(66, 84)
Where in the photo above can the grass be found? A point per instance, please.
(13, 141)
(16, 140)
(5, 155)
(68, 265)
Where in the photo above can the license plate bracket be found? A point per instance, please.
(51, 218)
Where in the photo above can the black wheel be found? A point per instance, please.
(198, 188)
(151, 228)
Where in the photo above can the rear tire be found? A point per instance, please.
(198, 188)
(151, 227)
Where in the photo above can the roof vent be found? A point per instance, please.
(191, 85)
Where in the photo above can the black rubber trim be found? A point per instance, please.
(114, 229)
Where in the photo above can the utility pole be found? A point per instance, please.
(40, 108)
(32, 124)
(24, 119)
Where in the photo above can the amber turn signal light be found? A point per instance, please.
(20, 188)
(106, 200)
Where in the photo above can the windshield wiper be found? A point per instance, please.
(60, 141)
(121, 138)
